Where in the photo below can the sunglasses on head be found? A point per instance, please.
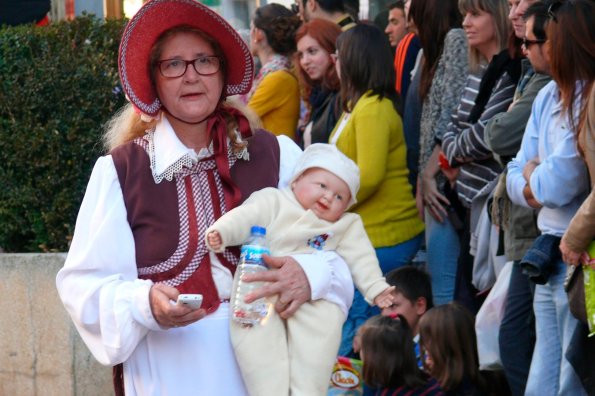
(553, 8)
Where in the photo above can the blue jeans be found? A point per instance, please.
(517, 330)
(390, 258)
(442, 249)
(551, 373)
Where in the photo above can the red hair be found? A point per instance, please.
(325, 33)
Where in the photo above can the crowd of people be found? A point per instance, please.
(460, 128)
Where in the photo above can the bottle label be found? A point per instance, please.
(251, 254)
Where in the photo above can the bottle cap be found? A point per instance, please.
(258, 230)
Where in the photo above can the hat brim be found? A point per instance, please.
(158, 16)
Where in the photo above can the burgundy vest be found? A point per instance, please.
(165, 218)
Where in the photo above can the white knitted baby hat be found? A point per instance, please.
(328, 156)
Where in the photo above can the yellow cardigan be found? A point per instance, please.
(373, 138)
(276, 100)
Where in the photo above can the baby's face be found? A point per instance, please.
(323, 192)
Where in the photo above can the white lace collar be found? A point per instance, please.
(168, 155)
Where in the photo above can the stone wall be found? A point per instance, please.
(40, 350)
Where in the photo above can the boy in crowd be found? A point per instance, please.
(412, 298)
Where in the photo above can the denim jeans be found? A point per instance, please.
(551, 373)
(517, 330)
(465, 292)
(390, 258)
(393, 257)
(442, 253)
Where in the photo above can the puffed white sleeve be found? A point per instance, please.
(99, 283)
(289, 154)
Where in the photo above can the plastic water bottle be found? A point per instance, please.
(250, 262)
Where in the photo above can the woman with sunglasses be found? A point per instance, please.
(517, 226)
(275, 96)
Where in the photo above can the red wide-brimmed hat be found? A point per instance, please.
(158, 16)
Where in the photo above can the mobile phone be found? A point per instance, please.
(194, 301)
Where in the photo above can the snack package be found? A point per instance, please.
(346, 379)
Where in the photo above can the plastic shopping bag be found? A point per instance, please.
(589, 276)
(488, 319)
(589, 281)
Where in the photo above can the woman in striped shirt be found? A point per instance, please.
(489, 90)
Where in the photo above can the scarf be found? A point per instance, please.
(277, 62)
(500, 64)
(217, 130)
(318, 96)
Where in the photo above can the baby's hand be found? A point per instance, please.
(385, 299)
(214, 240)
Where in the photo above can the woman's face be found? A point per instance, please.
(191, 97)
(314, 59)
(480, 29)
(428, 361)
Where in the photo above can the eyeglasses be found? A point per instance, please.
(527, 43)
(553, 8)
(203, 65)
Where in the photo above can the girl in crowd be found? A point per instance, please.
(447, 335)
(489, 90)
(389, 363)
(444, 71)
(548, 173)
(370, 133)
(275, 95)
(318, 77)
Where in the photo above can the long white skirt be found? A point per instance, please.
(194, 360)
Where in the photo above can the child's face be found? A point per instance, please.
(323, 192)
(428, 361)
(403, 306)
